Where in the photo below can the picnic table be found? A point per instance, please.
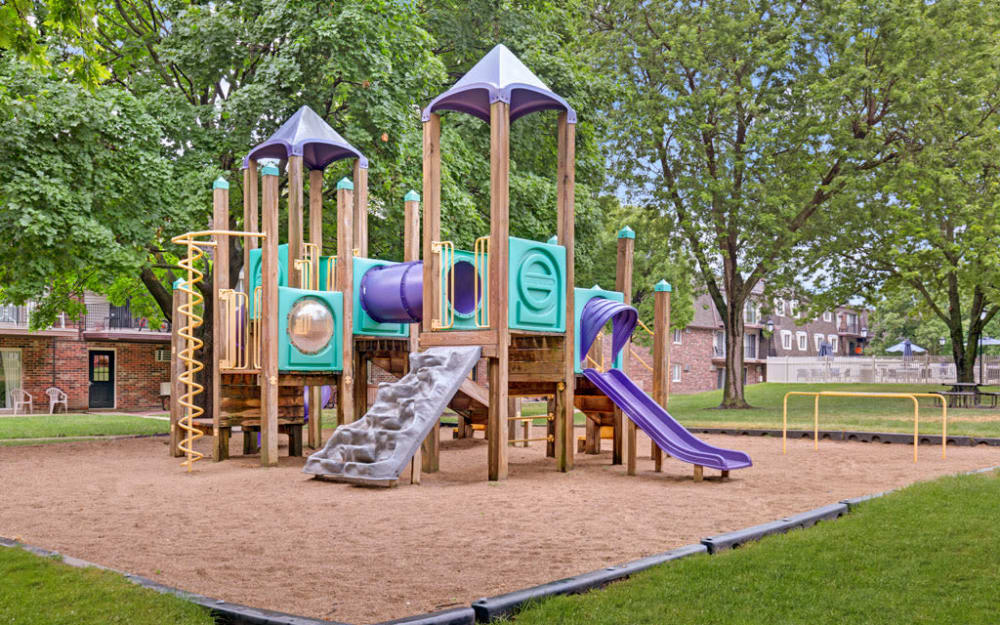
(968, 394)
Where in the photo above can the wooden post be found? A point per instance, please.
(361, 209)
(432, 220)
(550, 427)
(269, 319)
(661, 356)
(623, 283)
(315, 434)
(220, 280)
(430, 449)
(250, 211)
(295, 197)
(176, 369)
(360, 385)
(565, 233)
(496, 426)
(345, 283)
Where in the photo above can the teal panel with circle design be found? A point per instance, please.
(537, 286)
(309, 330)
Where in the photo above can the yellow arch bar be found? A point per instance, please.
(912, 396)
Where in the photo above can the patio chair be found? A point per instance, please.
(21, 399)
(57, 397)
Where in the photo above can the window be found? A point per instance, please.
(803, 340)
(10, 375)
(828, 316)
(677, 336)
(163, 355)
(786, 339)
(793, 308)
(779, 307)
(750, 346)
(833, 338)
(749, 312)
(719, 345)
(675, 373)
(818, 340)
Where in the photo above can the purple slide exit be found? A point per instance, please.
(671, 436)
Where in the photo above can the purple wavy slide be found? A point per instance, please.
(671, 436)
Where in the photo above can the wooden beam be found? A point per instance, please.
(315, 434)
(432, 219)
(345, 283)
(250, 216)
(295, 199)
(623, 283)
(220, 280)
(269, 318)
(176, 369)
(360, 385)
(565, 233)
(661, 356)
(496, 428)
(360, 209)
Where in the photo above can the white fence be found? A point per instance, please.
(876, 370)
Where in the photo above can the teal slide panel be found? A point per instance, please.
(465, 267)
(580, 299)
(363, 323)
(256, 257)
(537, 286)
(329, 358)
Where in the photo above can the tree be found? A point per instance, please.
(85, 190)
(926, 228)
(741, 124)
(40, 32)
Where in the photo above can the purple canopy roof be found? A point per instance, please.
(499, 76)
(305, 134)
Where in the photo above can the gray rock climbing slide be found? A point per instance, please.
(375, 449)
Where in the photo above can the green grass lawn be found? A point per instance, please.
(835, 413)
(43, 591)
(927, 554)
(70, 425)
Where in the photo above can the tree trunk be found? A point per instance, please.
(732, 395)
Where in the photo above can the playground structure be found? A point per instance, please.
(911, 396)
(306, 320)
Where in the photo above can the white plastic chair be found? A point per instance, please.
(57, 397)
(22, 399)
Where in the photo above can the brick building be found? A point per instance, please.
(107, 361)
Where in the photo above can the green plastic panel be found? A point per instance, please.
(537, 286)
(363, 323)
(331, 358)
(580, 299)
(256, 257)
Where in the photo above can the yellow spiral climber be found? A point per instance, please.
(192, 320)
(192, 344)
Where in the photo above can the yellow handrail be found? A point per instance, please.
(331, 273)
(447, 251)
(237, 332)
(481, 262)
(255, 325)
(637, 357)
(645, 327)
(191, 321)
(916, 415)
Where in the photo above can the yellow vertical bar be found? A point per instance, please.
(784, 425)
(944, 428)
(916, 426)
(816, 421)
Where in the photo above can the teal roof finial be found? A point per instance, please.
(345, 183)
(626, 233)
(220, 183)
(411, 196)
(269, 170)
(663, 285)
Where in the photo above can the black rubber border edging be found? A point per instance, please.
(490, 608)
(223, 612)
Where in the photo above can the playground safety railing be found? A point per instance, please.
(446, 249)
(480, 257)
(235, 331)
(191, 320)
(308, 266)
(912, 396)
